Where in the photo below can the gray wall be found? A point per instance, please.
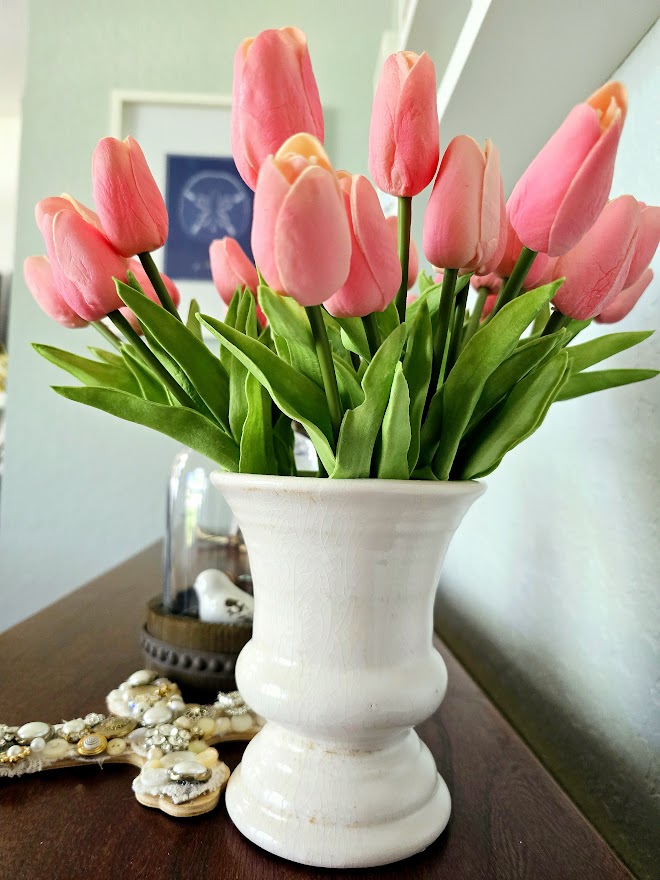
(550, 591)
(82, 491)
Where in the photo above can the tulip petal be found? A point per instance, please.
(624, 303)
(312, 259)
(493, 209)
(41, 284)
(541, 190)
(89, 262)
(269, 195)
(587, 194)
(647, 242)
(596, 268)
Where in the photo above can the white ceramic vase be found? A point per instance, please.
(342, 665)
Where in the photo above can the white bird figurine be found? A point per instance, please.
(220, 600)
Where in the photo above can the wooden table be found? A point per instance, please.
(509, 820)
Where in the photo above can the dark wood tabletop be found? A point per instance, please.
(509, 821)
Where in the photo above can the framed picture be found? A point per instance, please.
(186, 141)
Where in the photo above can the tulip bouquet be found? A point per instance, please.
(322, 331)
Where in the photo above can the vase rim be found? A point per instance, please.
(223, 479)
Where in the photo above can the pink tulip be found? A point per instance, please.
(648, 238)
(129, 203)
(274, 97)
(375, 271)
(597, 267)
(566, 186)
(464, 213)
(438, 277)
(542, 267)
(41, 284)
(300, 235)
(403, 136)
(413, 257)
(231, 269)
(87, 262)
(492, 281)
(489, 304)
(410, 299)
(143, 280)
(622, 304)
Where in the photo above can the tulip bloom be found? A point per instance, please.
(274, 97)
(41, 284)
(86, 262)
(489, 305)
(375, 273)
(300, 235)
(129, 203)
(404, 131)
(464, 214)
(566, 186)
(491, 281)
(143, 280)
(413, 256)
(231, 269)
(622, 304)
(648, 237)
(542, 267)
(596, 268)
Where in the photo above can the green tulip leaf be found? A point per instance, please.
(430, 433)
(291, 332)
(150, 385)
(256, 447)
(354, 337)
(296, 395)
(589, 353)
(541, 320)
(432, 298)
(192, 323)
(396, 434)
(185, 425)
(526, 358)
(599, 380)
(350, 388)
(335, 338)
(514, 420)
(89, 372)
(238, 373)
(417, 364)
(482, 355)
(360, 426)
(108, 357)
(283, 446)
(387, 321)
(424, 282)
(203, 369)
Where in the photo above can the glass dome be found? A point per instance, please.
(201, 534)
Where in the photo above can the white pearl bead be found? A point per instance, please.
(196, 746)
(183, 722)
(222, 726)
(188, 767)
(177, 706)
(157, 715)
(154, 753)
(13, 750)
(209, 757)
(33, 729)
(206, 725)
(77, 725)
(153, 777)
(172, 758)
(241, 723)
(142, 676)
(38, 744)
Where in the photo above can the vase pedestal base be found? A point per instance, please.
(329, 805)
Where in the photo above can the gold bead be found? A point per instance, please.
(91, 745)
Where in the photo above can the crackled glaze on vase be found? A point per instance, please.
(342, 665)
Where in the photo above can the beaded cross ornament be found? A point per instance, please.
(150, 726)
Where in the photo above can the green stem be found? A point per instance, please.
(150, 359)
(405, 217)
(157, 283)
(457, 331)
(513, 286)
(445, 311)
(373, 335)
(556, 321)
(107, 334)
(324, 354)
(475, 316)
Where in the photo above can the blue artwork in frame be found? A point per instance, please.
(206, 199)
